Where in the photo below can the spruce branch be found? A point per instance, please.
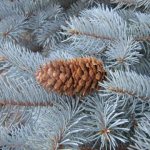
(27, 61)
(32, 7)
(6, 9)
(27, 7)
(123, 53)
(142, 67)
(16, 116)
(95, 28)
(135, 3)
(48, 35)
(46, 25)
(141, 138)
(61, 128)
(15, 138)
(140, 27)
(48, 13)
(21, 57)
(124, 83)
(106, 124)
(22, 91)
(12, 28)
(108, 20)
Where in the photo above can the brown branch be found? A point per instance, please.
(122, 91)
(2, 58)
(143, 38)
(29, 104)
(75, 32)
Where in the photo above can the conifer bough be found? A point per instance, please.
(78, 76)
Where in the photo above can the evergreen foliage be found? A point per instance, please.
(114, 117)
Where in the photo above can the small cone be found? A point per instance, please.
(79, 76)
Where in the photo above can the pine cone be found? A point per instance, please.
(79, 76)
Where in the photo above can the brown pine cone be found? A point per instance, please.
(79, 76)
